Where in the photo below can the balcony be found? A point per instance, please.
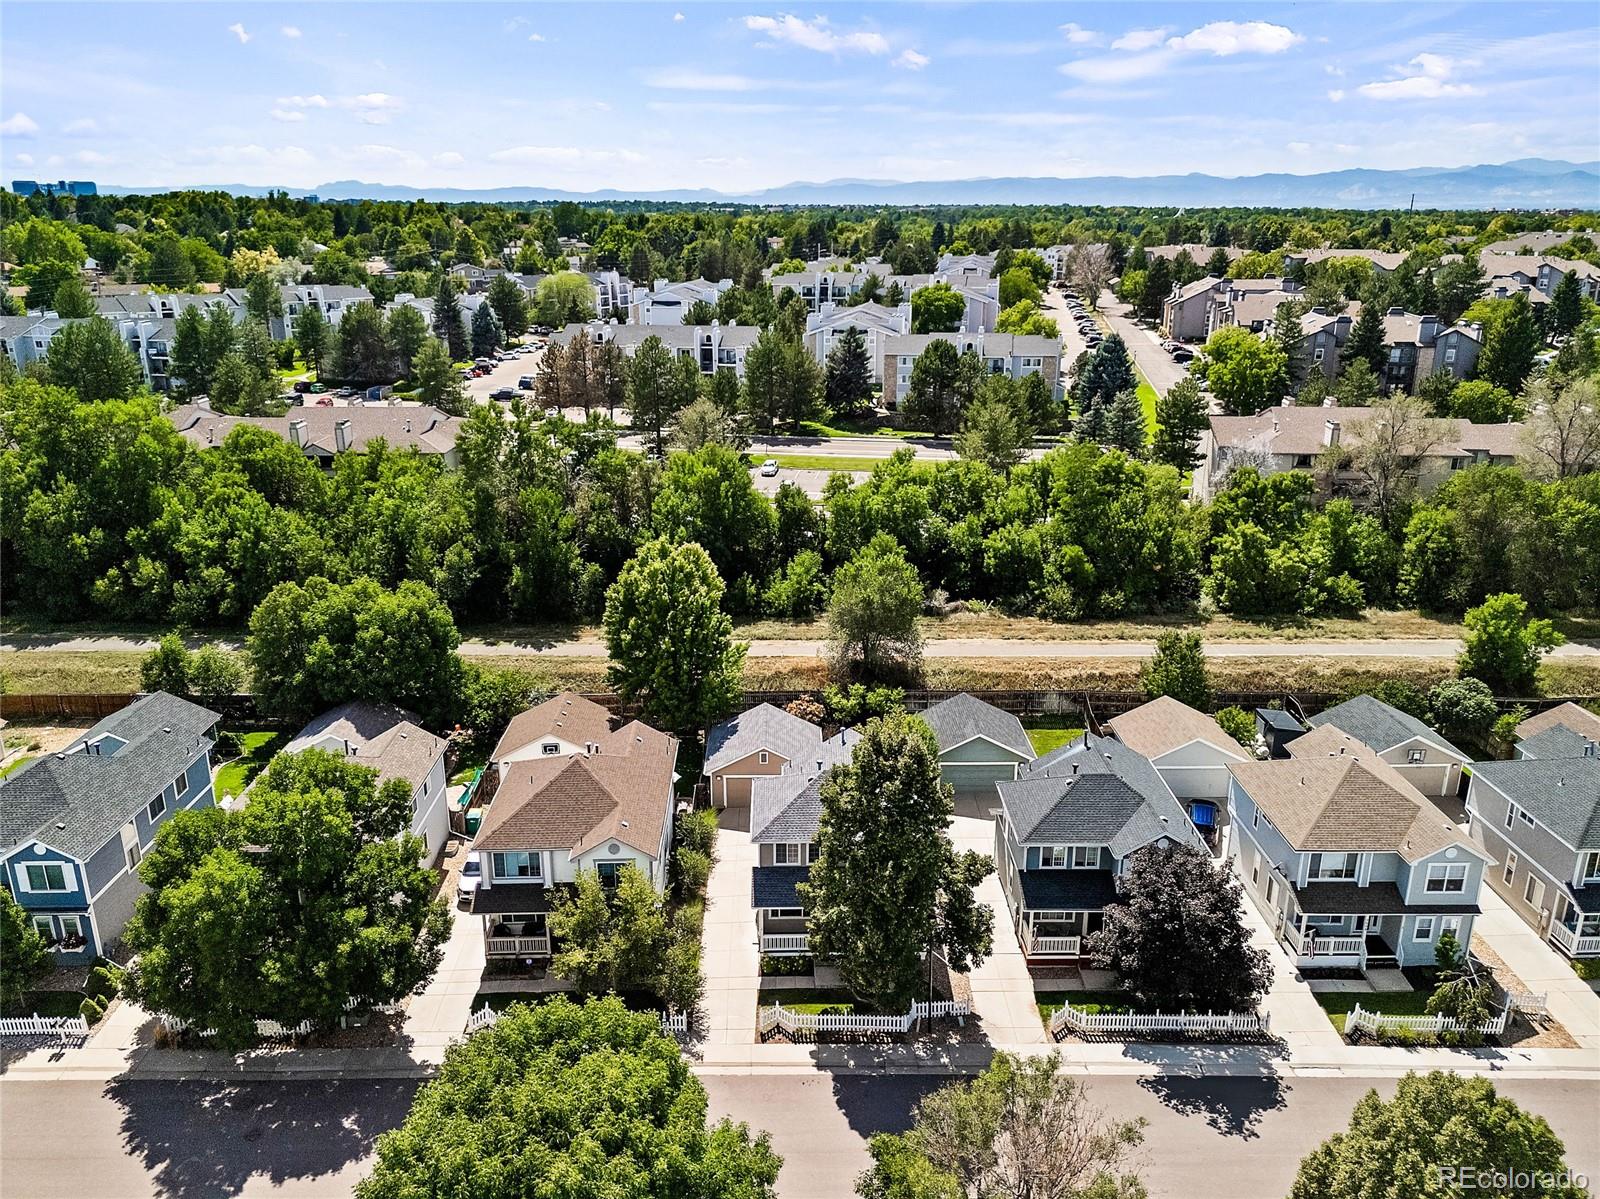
(785, 944)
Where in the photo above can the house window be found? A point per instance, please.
(156, 806)
(1511, 814)
(518, 864)
(1451, 925)
(1085, 857)
(1533, 893)
(71, 928)
(134, 854)
(1523, 815)
(1414, 756)
(1326, 866)
(549, 749)
(1424, 929)
(1511, 869)
(610, 873)
(1447, 877)
(789, 855)
(45, 928)
(1052, 857)
(47, 876)
(762, 758)
(786, 913)
(1591, 868)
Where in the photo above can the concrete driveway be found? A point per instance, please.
(1002, 988)
(730, 959)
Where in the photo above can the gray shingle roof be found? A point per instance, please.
(1558, 741)
(788, 807)
(1067, 890)
(761, 727)
(774, 886)
(963, 717)
(1563, 794)
(1380, 727)
(76, 801)
(1094, 791)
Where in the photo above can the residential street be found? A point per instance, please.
(1144, 345)
(1213, 1138)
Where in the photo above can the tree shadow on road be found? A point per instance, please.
(212, 1138)
(1232, 1105)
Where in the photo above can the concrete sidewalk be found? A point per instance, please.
(444, 1005)
(1002, 989)
(1541, 968)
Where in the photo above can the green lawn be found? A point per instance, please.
(1093, 1002)
(856, 428)
(1339, 1004)
(52, 1003)
(826, 462)
(1045, 740)
(464, 773)
(808, 1000)
(1147, 401)
(259, 746)
(13, 767)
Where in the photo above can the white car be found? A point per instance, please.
(471, 876)
(769, 468)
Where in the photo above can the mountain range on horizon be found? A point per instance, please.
(1524, 183)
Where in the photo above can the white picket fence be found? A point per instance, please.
(271, 1030)
(1377, 1023)
(779, 1017)
(1529, 1003)
(44, 1026)
(674, 1023)
(1144, 1023)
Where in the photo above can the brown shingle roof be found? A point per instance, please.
(1580, 720)
(1299, 430)
(1336, 795)
(1165, 724)
(623, 792)
(569, 716)
(419, 427)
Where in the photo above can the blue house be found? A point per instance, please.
(73, 825)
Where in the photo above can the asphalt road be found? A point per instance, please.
(1144, 345)
(1213, 1138)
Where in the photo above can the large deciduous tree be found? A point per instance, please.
(936, 308)
(623, 940)
(888, 888)
(1245, 373)
(24, 957)
(1176, 935)
(437, 381)
(308, 896)
(1504, 643)
(1440, 1134)
(670, 644)
(593, 1099)
(873, 610)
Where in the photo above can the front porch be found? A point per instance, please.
(1352, 940)
(1060, 909)
(1054, 935)
(514, 920)
(1577, 934)
(781, 926)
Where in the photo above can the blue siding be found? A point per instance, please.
(192, 789)
(73, 899)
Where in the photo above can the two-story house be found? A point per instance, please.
(757, 743)
(785, 818)
(75, 824)
(1189, 750)
(600, 803)
(1538, 815)
(393, 742)
(666, 303)
(1067, 827)
(1352, 867)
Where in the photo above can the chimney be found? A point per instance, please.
(341, 435)
(297, 432)
(1330, 432)
(1428, 329)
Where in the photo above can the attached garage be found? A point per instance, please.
(979, 745)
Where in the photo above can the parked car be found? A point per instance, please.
(317, 389)
(525, 383)
(504, 394)
(769, 468)
(1182, 354)
(467, 884)
(302, 386)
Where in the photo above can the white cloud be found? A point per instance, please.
(911, 60)
(1428, 80)
(250, 154)
(19, 124)
(691, 79)
(24, 159)
(305, 101)
(817, 34)
(290, 31)
(1077, 35)
(1299, 147)
(374, 108)
(92, 158)
(677, 17)
(1141, 39)
(1118, 70)
(287, 114)
(384, 155)
(81, 127)
(449, 158)
(1336, 94)
(536, 37)
(1226, 38)
(564, 155)
(238, 30)
(1333, 69)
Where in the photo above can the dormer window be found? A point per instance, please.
(1449, 878)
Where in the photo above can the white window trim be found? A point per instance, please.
(1423, 922)
(1444, 873)
(27, 883)
(535, 864)
(1510, 875)
(153, 813)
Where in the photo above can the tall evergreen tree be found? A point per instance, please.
(1365, 342)
(448, 325)
(1125, 424)
(313, 336)
(651, 389)
(1181, 417)
(1511, 342)
(510, 304)
(849, 374)
(1158, 279)
(1566, 305)
(1109, 373)
(487, 335)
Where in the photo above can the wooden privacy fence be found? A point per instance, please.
(1071, 1019)
(777, 1017)
(1377, 1023)
(65, 1027)
(673, 1023)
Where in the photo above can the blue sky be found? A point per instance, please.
(742, 96)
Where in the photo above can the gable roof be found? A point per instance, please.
(1094, 791)
(788, 806)
(761, 727)
(960, 718)
(1380, 726)
(1568, 715)
(569, 716)
(386, 737)
(622, 792)
(1164, 724)
(76, 801)
(402, 426)
(1557, 741)
(1563, 794)
(1337, 795)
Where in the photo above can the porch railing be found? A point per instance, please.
(785, 943)
(520, 946)
(1333, 947)
(1038, 946)
(1574, 945)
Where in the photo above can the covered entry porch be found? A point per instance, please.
(1342, 925)
(781, 927)
(1060, 909)
(514, 920)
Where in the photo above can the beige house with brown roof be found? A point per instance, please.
(322, 433)
(1350, 864)
(1189, 750)
(570, 795)
(1291, 437)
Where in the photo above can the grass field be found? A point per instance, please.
(1339, 1004)
(13, 767)
(1046, 739)
(856, 428)
(259, 747)
(1094, 1002)
(826, 462)
(808, 1000)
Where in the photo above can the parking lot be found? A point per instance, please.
(506, 374)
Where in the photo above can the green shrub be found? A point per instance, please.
(91, 1009)
(692, 868)
(105, 981)
(230, 743)
(777, 966)
(697, 831)
(1586, 969)
(1238, 724)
